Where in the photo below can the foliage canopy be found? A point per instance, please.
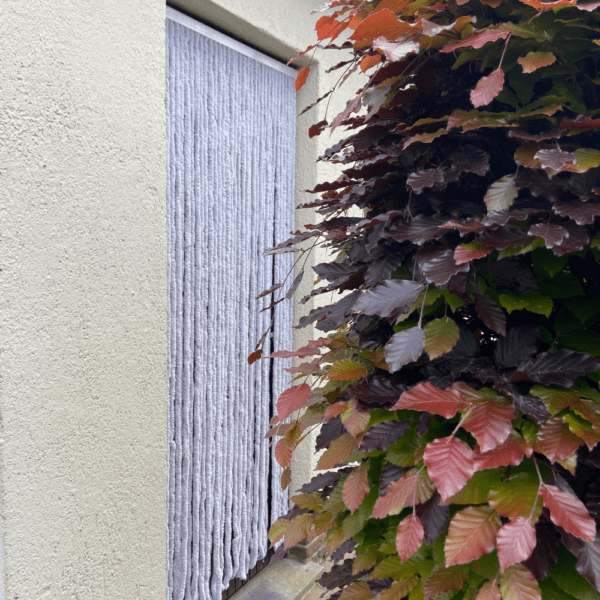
(457, 385)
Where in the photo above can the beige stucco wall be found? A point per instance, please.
(83, 304)
(83, 300)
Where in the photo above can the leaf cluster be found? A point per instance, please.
(456, 383)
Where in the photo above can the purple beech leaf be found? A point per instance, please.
(501, 238)
(491, 314)
(389, 474)
(556, 368)
(545, 552)
(471, 159)
(438, 265)
(390, 297)
(553, 235)
(404, 347)
(583, 213)
(554, 159)
(588, 562)
(418, 230)
(501, 194)
(518, 345)
(379, 392)
(576, 240)
(382, 435)
(434, 517)
(295, 285)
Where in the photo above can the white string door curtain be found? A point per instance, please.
(230, 195)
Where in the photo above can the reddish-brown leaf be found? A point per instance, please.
(518, 583)
(409, 536)
(426, 397)
(302, 77)
(283, 452)
(538, 5)
(487, 88)
(536, 60)
(355, 420)
(355, 489)
(468, 252)
(478, 39)
(490, 423)
(557, 441)
(442, 581)
(552, 234)
(400, 493)
(256, 355)
(381, 23)
(369, 61)
(450, 463)
(298, 529)
(335, 410)
(292, 399)
(568, 512)
(317, 128)
(511, 452)
(338, 451)
(489, 591)
(471, 534)
(515, 542)
(329, 27)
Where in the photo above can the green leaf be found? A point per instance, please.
(487, 565)
(529, 247)
(532, 301)
(583, 307)
(454, 302)
(548, 261)
(514, 497)
(441, 335)
(565, 575)
(477, 488)
(402, 453)
(346, 370)
(555, 398)
(563, 285)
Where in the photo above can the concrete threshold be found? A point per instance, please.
(284, 580)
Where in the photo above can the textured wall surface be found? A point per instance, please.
(83, 299)
(230, 193)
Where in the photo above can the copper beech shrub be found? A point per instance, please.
(456, 380)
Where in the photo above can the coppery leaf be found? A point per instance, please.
(490, 423)
(515, 542)
(471, 251)
(471, 534)
(292, 399)
(416, 485)
(568, 512)
(556, 440)
(441, 335)
(409, 536)
(302, 77)
(346, 370)
(338, 451)
(511, 452)
(355, 489)
(477, 39)
(536, 60)
(489, 591)
(450, 463)
(517, 583)
(426, 397)
(487, 88)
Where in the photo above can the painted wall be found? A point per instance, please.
(83, 303)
